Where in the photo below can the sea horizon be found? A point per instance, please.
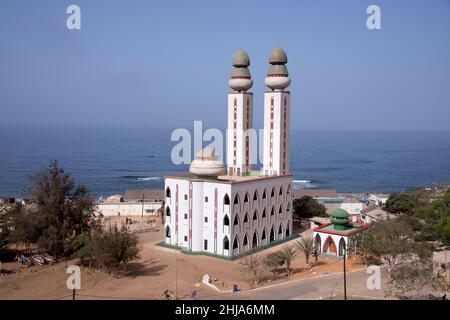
(112, 160)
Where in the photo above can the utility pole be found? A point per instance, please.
(345, 273)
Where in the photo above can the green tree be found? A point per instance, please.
(307, 207)
(306, 246)
(114, 248)
(387, 242)
(272, 261)
(401, 203)
(287, 254)
(59, 212)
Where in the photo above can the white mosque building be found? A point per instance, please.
(231, 210)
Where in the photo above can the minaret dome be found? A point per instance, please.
(278, 77)
(240, 79)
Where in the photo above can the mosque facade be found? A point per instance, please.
(230, 209)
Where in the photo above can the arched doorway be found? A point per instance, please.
(272, 235)
(329, 246)
(288, 229)
(280, 232)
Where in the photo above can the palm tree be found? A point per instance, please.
(306, 245)
(288, 254)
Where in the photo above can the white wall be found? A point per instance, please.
(128, 209)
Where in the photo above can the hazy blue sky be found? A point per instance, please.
(167, 63)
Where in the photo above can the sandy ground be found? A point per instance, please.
(159, 269)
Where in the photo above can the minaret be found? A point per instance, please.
(276, 116)
(240, 117)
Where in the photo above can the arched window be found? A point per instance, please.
(167, 212)
(245, 217)
(272, 235)
(288, 229)
(236, 243)
(246, 197)
(236, 221)
(255, 240)
(168, 192)
(288, 209)
(263, 236)
(255, 216)
(280, 232)
(318, 243)
(264, 194)
(280, 211)
(264, 213)
(168, 232)
(226, 220)
(226, 243)
(226, 199)
(272, 194)
(272, 212)
(245, 243)
(236, 199)
(281, 191)
(255, 195)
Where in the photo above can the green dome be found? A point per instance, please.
(278, 56)
(339, 218)
(240, 73)
(277, 69)
(241, 59)
(340, 213)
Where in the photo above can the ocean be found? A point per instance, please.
(110, 161)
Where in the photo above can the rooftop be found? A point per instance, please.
(316, 193)
(146, 194)
(350, 228)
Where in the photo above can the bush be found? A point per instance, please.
(113, 249)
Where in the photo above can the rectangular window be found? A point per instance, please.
(206, 219)
(206, 199)
(185, 197)
(185, 238)
(185, 215)
(205, 244)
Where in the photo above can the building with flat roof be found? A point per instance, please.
(333, 239)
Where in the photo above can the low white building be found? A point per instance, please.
(370, 215)
(354, 209)
(378, 199)
(134, 203)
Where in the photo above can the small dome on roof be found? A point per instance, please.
(340, 213)
(339, 218)
(241, 59)
(278, 56)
